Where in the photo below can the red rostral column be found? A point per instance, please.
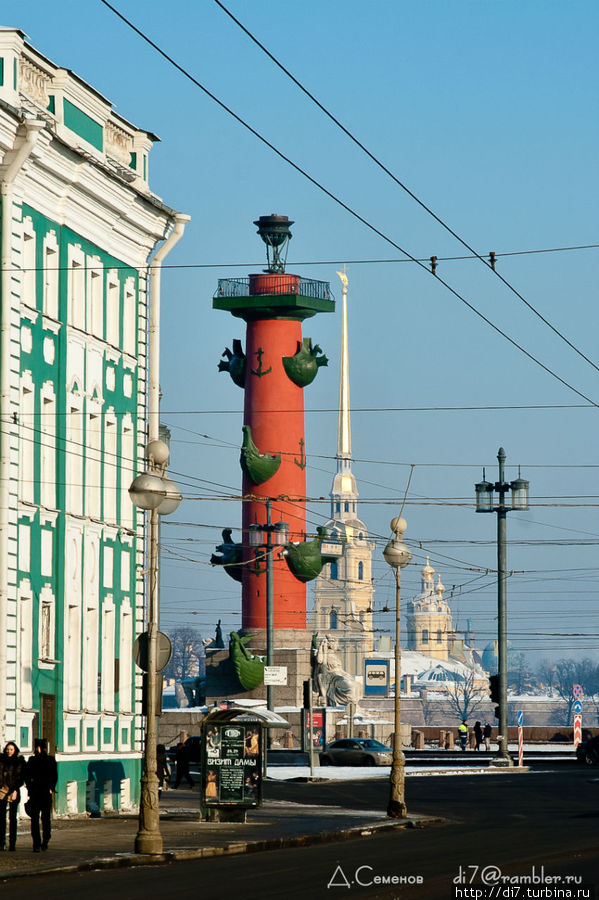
(277, 364)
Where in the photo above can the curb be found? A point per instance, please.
(131, 860)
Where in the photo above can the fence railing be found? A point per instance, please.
(275, 284)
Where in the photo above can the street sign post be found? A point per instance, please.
(275, 675)
(520, 738)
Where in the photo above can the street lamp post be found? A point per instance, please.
(397, 555)
(152, 491)
(267, 537)
(485, 504)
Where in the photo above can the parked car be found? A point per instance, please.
(194, 748)
(588, 751)
(356, 752)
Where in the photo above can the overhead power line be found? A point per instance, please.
(304, 262)
(341, 203)
(489, 264)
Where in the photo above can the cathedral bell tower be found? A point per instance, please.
(428, 621)
(343, 592)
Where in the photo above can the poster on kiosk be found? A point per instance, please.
(232, 764)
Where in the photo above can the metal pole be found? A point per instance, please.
(502, 607)
(269, 604)
(311, 730)
(148, 838)
(397, 806)
(502, 610)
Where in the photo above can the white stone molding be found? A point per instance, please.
(34, 82)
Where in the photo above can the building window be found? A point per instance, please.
(425, 635)
(72, 685)
(360, 571)
(108, 657)
(112, 309)
(90, 670)
(127, 509)
(76, 289)
(129, 318)
(95, 311)
(50, 299)
(26, 439)
(125, 670)
(74, 461)
(110, 469)
(29, 267)
(26, 651)
(93, 480)
(333, 618)
(48, 447)
(439, 637)
(46, 626)
(346, 506)
(334, 571)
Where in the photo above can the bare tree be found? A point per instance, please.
(187, 660)
(464, 697)
(569, 672)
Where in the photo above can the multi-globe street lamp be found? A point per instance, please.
(153, 491)
(485, 503)
(397, 554)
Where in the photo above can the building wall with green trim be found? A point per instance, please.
(82, 226)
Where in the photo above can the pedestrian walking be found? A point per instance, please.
(41, 776)
(182, 757)
(487, 736)
(463, 734)
(478, 735)
(163, 770)
(12, 776)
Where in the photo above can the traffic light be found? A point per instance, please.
(494, 691)
(307, 691)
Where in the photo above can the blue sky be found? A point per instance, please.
(488, 112)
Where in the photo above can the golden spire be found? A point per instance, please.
(344, 432)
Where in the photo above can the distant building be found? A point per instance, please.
(79, 224)
(428, 622)
(343, 592)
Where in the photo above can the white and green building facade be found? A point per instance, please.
(79, 225)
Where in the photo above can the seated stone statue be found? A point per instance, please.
(332, 684)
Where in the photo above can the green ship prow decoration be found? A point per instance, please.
(305, 560)
(232, 556)
(234, 363)
(302, 368)
(249, 668)
(257, 466)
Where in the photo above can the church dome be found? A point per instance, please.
(439, 587)
(427, 570)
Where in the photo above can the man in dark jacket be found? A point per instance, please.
(41, 776)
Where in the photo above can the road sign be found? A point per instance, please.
(577, 707)
(164, 650)
(577, 691)
(520, 718)
(275, 675)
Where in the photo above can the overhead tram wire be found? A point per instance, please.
(404, 187)
(341, 203)
(304, 262)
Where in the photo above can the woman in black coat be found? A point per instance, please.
(12, 776)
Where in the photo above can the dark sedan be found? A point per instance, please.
(356, 752)
(588, 751)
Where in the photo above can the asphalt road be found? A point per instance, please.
(520, 825)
